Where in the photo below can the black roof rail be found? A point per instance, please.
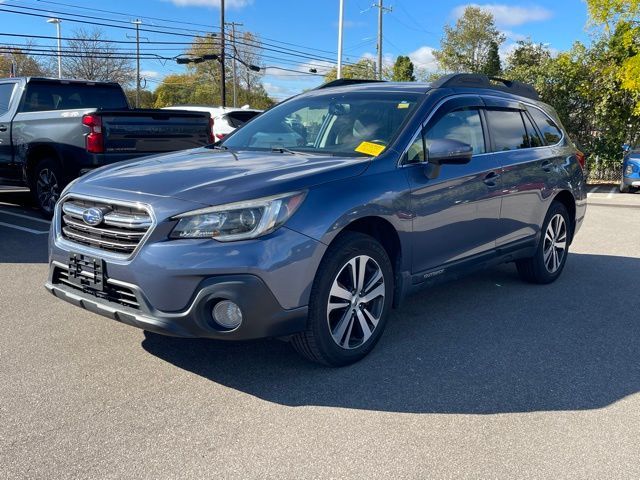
(341, 82)
(473, 80)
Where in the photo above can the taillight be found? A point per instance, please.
(582, 158)
(95, 137)
(212, 137)
(220, 136)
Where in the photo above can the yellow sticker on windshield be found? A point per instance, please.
(369, 148)
(403, 105)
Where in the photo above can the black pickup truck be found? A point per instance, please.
(52, 131)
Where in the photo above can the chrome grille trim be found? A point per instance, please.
(118, 238)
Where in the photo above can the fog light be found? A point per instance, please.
(227, 314)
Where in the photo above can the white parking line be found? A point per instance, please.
(613, 190)
(24, 229)
(33, 219)
(592, 191)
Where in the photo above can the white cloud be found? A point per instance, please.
(423, 58)
(509, 15)
(211, 3)
(513, 36)
(149, 74)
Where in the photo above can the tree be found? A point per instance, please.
(25, 65)
(493, 66)
(147, 97)
(365, 69)
(403, 70)
(466, 46)
(89, 57)
(620, 16)
(201, 84)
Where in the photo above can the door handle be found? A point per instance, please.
(547, 166)
(3, 128)
(491, 179)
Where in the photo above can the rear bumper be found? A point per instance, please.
(631, 182)
(262, 314)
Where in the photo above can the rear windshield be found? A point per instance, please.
(238, 119)
(348, 124)
(46, 96)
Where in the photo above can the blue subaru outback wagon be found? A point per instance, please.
(316, 218)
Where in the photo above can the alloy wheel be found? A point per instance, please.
(555, 243)
(48, 189)
(356, 302)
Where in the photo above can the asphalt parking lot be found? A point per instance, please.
(487, 377)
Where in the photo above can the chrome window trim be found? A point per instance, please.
(401, 164)
(65, 244)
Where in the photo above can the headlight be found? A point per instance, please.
(238, 221)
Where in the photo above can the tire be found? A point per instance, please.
(551, 254)
(624, 188)
(349, 330)
(46, 185)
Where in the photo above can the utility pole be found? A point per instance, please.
(381, 10)
(137, 24)
(223, 80)
(233, 64)
(57, 22)
(340, 27)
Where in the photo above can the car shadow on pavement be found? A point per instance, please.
(486, 344)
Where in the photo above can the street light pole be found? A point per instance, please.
(223, 80)
(137, 24)
(233, 62)
(57, 22)
(340, 27)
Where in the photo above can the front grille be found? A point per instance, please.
(120, 232)
(111, 292)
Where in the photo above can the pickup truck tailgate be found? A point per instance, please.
(154, 131)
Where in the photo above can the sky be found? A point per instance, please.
(300, 34)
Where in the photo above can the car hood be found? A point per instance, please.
(213, 177)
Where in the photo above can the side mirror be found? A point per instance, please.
(443, 151)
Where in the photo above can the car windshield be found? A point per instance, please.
(347, 124)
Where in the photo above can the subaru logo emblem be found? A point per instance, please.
(93, 216)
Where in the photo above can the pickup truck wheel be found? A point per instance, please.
(349, 303)
(47, 185)
(551, 254)
(624, 188)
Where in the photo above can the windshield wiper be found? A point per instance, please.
(287, 150)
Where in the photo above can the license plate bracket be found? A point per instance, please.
(86, 271)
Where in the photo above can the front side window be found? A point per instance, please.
(549, 129)
(507, 130)
(462, 125)
(349, 124)
(6, 91)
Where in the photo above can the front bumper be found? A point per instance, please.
(262, 315)
(176, 282)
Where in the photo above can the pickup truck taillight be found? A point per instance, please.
(212, 137)
(582, 158)
(95, 138)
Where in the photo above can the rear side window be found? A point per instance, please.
(534, 137)
(549, 129)
(6, 90)
(461, 125)
(45, 96)
(507, 130)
